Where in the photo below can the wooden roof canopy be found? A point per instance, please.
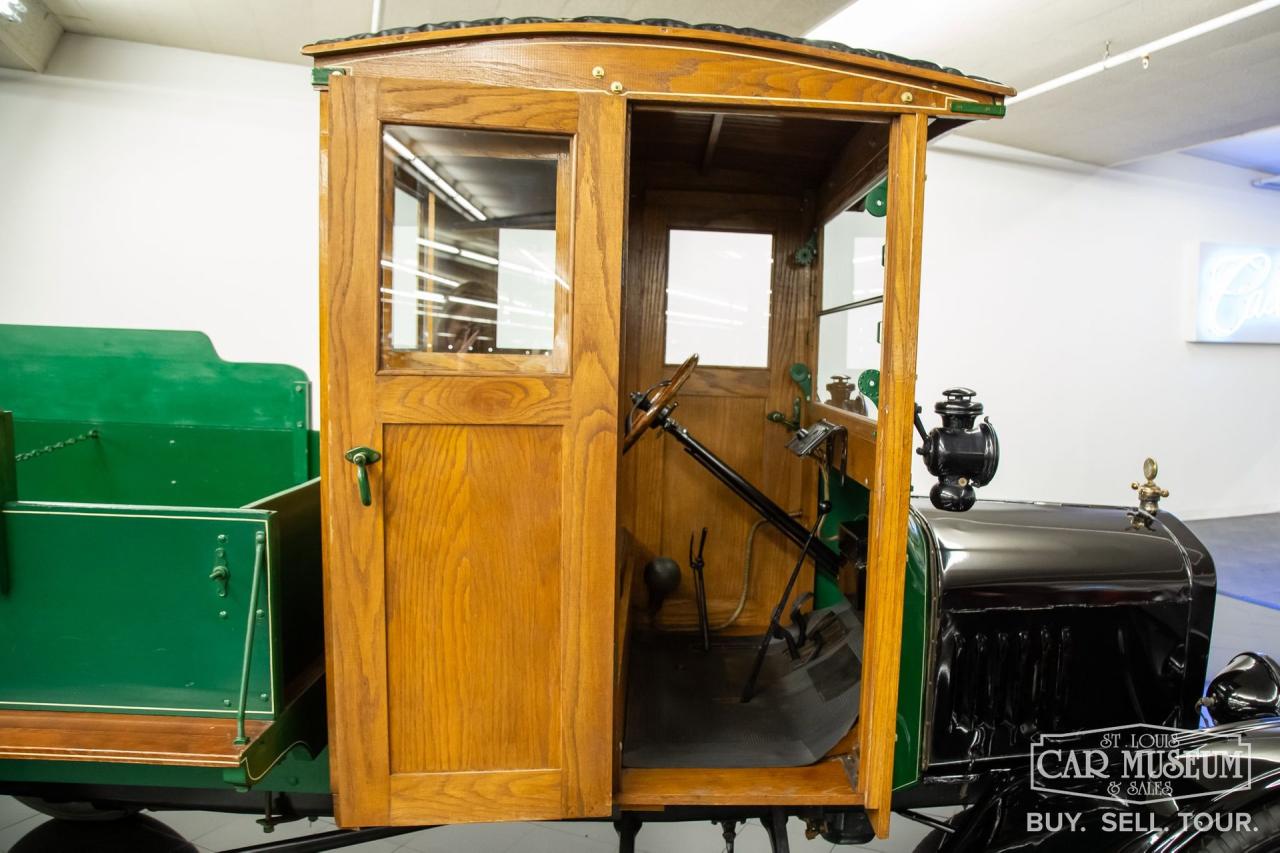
(942, 88)
(530, 27)
(716, 106)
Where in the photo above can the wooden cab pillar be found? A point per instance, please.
(891, 488)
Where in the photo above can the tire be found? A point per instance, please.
(1265, 837)
(74, 811)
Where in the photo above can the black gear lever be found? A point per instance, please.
(700, 589)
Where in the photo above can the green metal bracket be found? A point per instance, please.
(869, 385)
(297, 736)
(808, 253)
(876, 202)
(973, 108)
(259, 562)
(362, 458)
(800, 375)
(8, 490)
(320, 75)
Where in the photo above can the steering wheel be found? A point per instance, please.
(661, 400)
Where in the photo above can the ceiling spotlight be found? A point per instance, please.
(12, 11)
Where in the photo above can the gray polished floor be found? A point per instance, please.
(1245, 550)
(1247, 554)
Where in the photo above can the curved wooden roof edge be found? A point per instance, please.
(410, 37)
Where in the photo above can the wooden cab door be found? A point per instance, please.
(470, 315)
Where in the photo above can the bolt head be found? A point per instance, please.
(616, 87)
(597, 72)
(907, 97)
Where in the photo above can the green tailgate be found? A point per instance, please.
(111, 608)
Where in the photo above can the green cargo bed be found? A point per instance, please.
(160, 580)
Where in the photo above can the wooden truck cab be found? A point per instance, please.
(517, 219)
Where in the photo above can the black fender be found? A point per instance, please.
(1263, 739)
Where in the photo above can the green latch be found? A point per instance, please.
(800, 375)
(977, 109)
(221, 574)
(362, 458)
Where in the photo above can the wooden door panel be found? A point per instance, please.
(473, 596)
(469, 604)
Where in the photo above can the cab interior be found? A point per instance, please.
(737, 250)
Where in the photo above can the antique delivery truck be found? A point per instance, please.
(610, 514)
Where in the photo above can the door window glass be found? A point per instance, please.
(474, 253)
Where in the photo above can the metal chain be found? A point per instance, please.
(57, 445)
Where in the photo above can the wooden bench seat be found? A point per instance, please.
(124, 738)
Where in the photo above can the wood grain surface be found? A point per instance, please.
(355, 603)
(473, 596)
(824, 783)
(123, 738)
(891, 491)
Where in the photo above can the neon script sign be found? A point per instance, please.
(1238, 294)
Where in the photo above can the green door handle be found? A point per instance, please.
(362, 458)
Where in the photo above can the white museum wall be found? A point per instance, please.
(1056, 290)
(151, 187)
